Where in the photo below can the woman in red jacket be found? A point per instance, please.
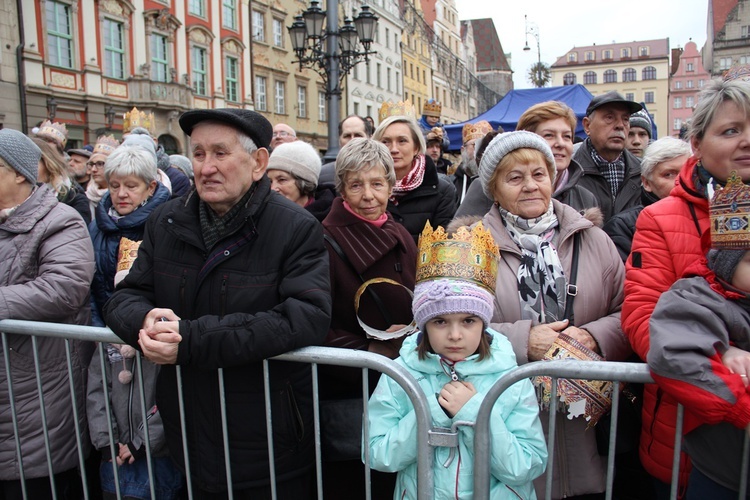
(668, 240)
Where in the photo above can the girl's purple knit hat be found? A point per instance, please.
(451, 296)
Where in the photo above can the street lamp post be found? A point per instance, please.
(332, 53)
(534, 31)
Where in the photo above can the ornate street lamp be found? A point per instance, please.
(332, 53)
(109, 115)
(534, 31)
(51, 108)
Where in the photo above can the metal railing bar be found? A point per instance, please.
(76, 419)
(43, 414)
(14, 415)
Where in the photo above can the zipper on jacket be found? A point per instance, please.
(223, 296)
(451, 369)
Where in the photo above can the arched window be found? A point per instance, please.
(569, 79)
(649, 73)
(628, 75)
(610, 76)
(589, 78)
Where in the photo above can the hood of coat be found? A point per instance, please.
(500, 360)
(137, 218)
(685, 187)
(37, 206)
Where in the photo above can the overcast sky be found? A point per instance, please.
(563, 25)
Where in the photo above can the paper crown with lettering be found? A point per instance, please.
(135, 118)
(105, 145)
(54, 131)
(476, 130)
(432, 108)
(468, 254)
(401, 108)
(730, 215)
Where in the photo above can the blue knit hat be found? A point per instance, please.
(451, 296)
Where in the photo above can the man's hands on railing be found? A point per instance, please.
(160, 336)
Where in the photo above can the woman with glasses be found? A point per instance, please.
(97, 186)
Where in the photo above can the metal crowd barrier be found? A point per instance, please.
(427, 436)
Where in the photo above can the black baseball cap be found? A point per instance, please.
(612, 97)
(255, 125)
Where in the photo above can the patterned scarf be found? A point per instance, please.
(410, 181)
(613, 171)
(703, 181)
(540, 274)
(214, 226)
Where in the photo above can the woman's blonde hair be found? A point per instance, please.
(416, 132)
(54, 164)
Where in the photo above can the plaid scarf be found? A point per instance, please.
(214, 226)
(410, 181)
(613, 171)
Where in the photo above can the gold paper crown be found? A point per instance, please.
(136, 118)
(730, 215)
(432, 108)
(55, 131)
(469, 255)
(105, 145)
(126, 253)
(476, 130)
(400, 108)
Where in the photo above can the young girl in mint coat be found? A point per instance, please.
(456, 359)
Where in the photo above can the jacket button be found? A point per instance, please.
(226, 253)
(170, 220)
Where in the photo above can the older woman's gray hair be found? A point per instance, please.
(416, 132)
(360, 155)
(132, 160)
(711, 97)
(665, 149)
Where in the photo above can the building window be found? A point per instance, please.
(744, 59)
(690, 84)
(388, 79)
(279, 92)
(744, 31)
(701, 83)
(302, 101)
(59, 34)
(377, 76)
(278, 33)
(649, 73)
(590, 55)
(725, 63)
(630, 96)
(607, 54)
(387, 38)
(648, 97)
(159, 61)
(114, 51)
(260, 93)
(355, 72)
(589, 78)
(677, 103)
(689, 102)
(690, 67)
(572, 56)
(643, 51)
(677, 124)
(369, 111)
(197, 8)
(367, 74)
(199, 70)
(259, 29)
(229, 14)
(322, 106)
(677, 85)
(625, 52)
(398, 84)
(628, 75)
(356, 108)
(610, 76)
(232, 79)
(569, 79)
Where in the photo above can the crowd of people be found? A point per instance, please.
(530, 248)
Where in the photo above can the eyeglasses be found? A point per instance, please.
(282, 133)
(95, 164)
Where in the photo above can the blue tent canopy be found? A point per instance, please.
(507, 112)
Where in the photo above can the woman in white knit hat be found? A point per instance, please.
(294, 169)
(539, 240)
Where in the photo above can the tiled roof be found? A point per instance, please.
(657, 49)
(720, 10)
(490, 54)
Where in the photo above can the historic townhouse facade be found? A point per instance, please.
(688, 79)
(415, 47)
(639, 70)
(728, 35)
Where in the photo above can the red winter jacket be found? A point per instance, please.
(667, 242)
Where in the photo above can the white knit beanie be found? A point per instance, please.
(297, 158)
(503, 144)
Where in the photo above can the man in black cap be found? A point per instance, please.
(226, 277)
(611, 172)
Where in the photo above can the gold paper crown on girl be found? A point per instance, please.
(105, 145)
(432, 108)
(55, 131)
(400, 108)
(730, 215)
(468, 254)
(135, 118)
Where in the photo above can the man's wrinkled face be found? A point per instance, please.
(608, 128)
(352, 128)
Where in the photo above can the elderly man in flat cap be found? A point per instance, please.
(226, 277)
